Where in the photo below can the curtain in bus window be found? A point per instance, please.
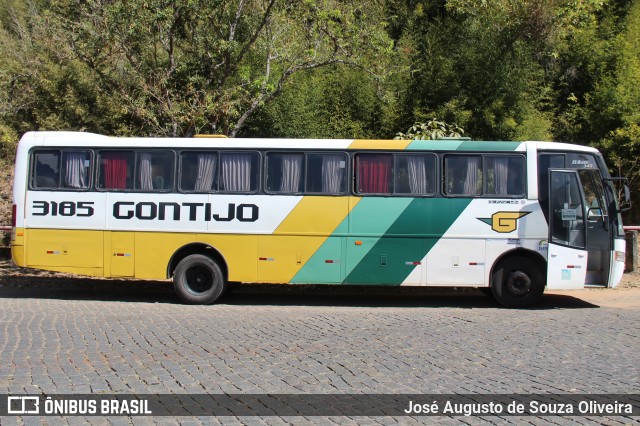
(144, 172)
(374, 173)
(501, 174)
(236, 172)
(473, 175)
(206, 172)
(115, 170)
(76, 174)
(417, 174)
(333, 166)
(291, 172)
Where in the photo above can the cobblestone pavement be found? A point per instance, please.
(77, 335)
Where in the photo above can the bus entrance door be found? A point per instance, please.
(598, 228)
(567, 252)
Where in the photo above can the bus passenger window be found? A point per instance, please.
(285, 173)
(46, 173)
(326, 173)
(116, 170)
(155, 171)
(239, 171)
(76, 169)
(374, 173)
(463, 175)
(198, 171)
(505, 175)
(415, 174)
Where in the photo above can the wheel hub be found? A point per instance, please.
(198, 280)
(518, 283)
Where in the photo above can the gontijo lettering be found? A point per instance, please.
(174, 211)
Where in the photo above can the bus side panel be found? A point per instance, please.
(391, 236)
(479, 235)
(281, 257)
(69, 250)
(325, 265)
(301, 249)
(384, 261)
(123, 254)
(153, 251)
(456, 261)
(240, 253)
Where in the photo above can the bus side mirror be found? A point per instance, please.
(626, 205)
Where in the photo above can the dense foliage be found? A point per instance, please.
(502, 69)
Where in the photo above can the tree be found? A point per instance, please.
(180, 67)
(431, 130)
(330, 102)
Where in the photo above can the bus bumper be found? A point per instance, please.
(617, 262)
(17, 247)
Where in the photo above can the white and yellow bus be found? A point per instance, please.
(511, 217)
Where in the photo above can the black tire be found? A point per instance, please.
(518, 282)
(198, 280)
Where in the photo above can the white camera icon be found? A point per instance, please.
(23, 405)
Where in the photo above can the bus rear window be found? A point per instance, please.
(67, 169)
(46, 170)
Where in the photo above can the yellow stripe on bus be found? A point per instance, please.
(300, 235)
(379, 144)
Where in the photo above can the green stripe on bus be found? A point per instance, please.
(488, 146)
(368, 221)
(413, 234)
(428, 145)
(458, 145)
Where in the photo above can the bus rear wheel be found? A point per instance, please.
(198, 280)
(517, 282)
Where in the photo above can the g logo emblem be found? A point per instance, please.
(504, 222)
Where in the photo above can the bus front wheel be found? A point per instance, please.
(517, 282)
(198, 280)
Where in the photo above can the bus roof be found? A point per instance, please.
(84, 139)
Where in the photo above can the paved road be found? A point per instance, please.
(69, 335)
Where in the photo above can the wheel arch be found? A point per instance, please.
(197, 248)
(520, 252)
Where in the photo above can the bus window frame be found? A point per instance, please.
(306, 155)
(259, 162)
(483, 156)
(178, 188)
(394, 155)
(60, 150)
(135, 152)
